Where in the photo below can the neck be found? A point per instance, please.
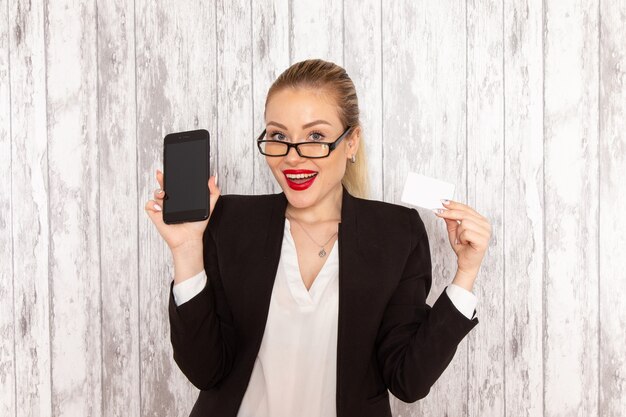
(328, 209)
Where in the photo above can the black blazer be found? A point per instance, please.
(388, 337)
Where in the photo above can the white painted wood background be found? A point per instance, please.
(522, 104)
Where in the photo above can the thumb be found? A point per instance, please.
(214, 190)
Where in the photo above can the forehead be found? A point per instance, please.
(296, 107)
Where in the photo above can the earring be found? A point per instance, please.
(353, 159)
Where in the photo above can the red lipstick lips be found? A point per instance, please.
(300, 184)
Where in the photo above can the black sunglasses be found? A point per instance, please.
(304, 149)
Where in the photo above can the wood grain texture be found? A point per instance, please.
(73, 206)
(485, 192)
(571, 208)
(235, 131)
(316, 30)
(7, 329)
(612, 160)
(175, 73)
(363, 63)
(424, 116)
(119, 209)
(30, 198)
(522, 230)
(270, 57)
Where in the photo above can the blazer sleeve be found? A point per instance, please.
(201, 329)
(417, 342)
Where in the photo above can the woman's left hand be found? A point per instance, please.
(469, 234)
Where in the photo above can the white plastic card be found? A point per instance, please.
(426, 192)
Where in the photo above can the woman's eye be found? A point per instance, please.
(316, 136)
(277, 136)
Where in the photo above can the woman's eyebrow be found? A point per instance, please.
(313, 123)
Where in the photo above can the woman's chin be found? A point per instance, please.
(309, 197)
(300, 199)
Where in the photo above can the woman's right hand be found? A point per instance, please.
(179, 235)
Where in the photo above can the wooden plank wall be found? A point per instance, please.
(522, 104)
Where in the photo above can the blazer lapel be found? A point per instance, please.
(351, 276)
(355, 284)
(363, 285)
(257, 312)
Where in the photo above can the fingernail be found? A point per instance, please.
(216, 178)
(159, 191)
(444, 201)
(157, 207)
(438, 210)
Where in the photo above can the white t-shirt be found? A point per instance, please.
(295, 370)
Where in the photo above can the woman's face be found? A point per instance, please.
(298, 115)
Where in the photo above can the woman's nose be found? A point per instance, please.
(293, 156)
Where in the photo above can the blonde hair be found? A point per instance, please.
(331, 79)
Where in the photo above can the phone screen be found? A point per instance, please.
(186, 171)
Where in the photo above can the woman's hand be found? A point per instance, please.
(181, 235)
(469, 235)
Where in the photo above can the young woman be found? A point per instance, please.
(312, 302)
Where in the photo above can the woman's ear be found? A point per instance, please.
(354, 141)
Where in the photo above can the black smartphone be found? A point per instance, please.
(186, 176)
